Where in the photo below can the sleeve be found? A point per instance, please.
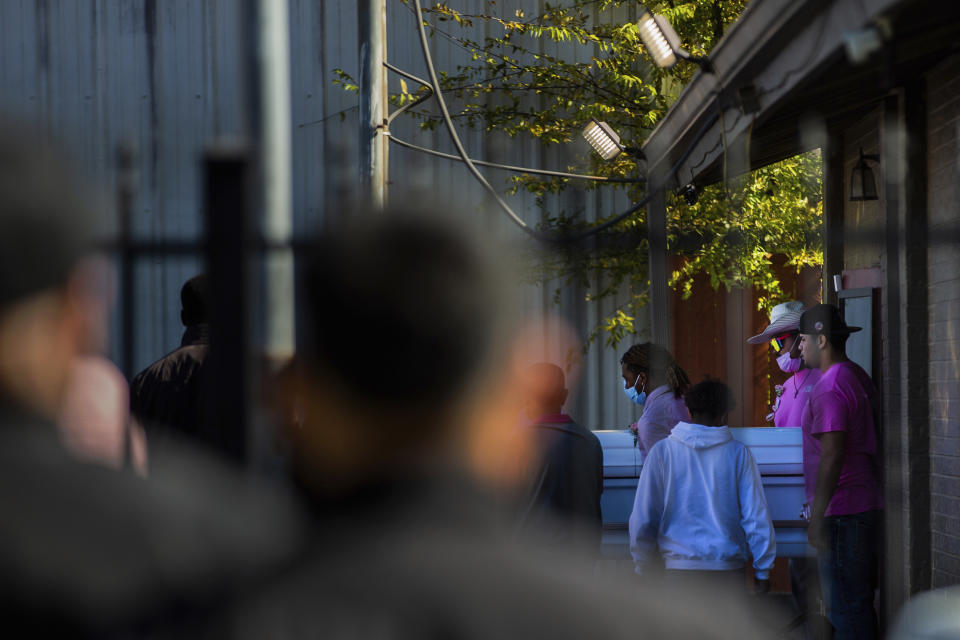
(646, 435)
(136, 394)
(829, 413)
(647, 511)
(755, 517)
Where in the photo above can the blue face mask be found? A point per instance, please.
(636, 397)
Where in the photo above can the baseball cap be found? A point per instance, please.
(825, 319)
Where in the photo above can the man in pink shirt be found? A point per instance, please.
(783, 336)
(841, 474)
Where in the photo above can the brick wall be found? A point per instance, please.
(943, 126)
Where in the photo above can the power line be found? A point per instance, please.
(451, 128)
(325, 118)
(461, 151)
(507, 167)
(494, 165)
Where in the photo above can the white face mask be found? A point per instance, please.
(788, 364)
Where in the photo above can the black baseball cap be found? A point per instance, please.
(825, 319)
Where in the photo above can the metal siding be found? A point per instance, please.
(161, 75)
(596, 400)
(166, 76)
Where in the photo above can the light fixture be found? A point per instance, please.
(606, 142)
(663, 43)
(603, 139)
(860, 44)
(863, 186)
(690, 194)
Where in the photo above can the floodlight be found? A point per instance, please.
(663, 43)
(655, 34)
(603, 139)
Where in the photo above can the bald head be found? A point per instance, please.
(46, 220)
(545, 390)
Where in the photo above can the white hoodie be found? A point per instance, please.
(700, 500)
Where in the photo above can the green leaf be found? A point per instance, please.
(543, 77)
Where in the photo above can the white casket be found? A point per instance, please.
(779, 457)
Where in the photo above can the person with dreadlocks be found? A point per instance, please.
(653, 380)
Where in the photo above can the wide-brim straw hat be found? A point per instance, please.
(784, 318)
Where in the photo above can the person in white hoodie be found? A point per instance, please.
(700, 501)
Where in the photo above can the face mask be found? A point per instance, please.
(788, 364)
(636, 397)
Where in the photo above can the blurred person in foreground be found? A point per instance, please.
(407, 414)
(564, 476)
(700, 502)
(86, 551)
(653, 381)
(95, 421)
(841, 473)
(167, 397)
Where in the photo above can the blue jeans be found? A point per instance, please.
(849, 573)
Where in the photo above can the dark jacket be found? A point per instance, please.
(167, 398)
(432, 557)
(87, 551)
(562, 499)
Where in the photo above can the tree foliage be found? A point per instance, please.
(517, 84)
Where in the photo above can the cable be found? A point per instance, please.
(783, 80)
(407, 107)
(407, 75)
(421, 99)
(550, 237)
(325, 118)
(472, 47)
(451, 128)
(507, 167)
(412, 104)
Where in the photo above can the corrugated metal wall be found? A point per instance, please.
(161, 76)
(167, 76)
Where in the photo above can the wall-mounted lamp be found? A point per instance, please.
(663, 43)
(606, 142)
(863, 186)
